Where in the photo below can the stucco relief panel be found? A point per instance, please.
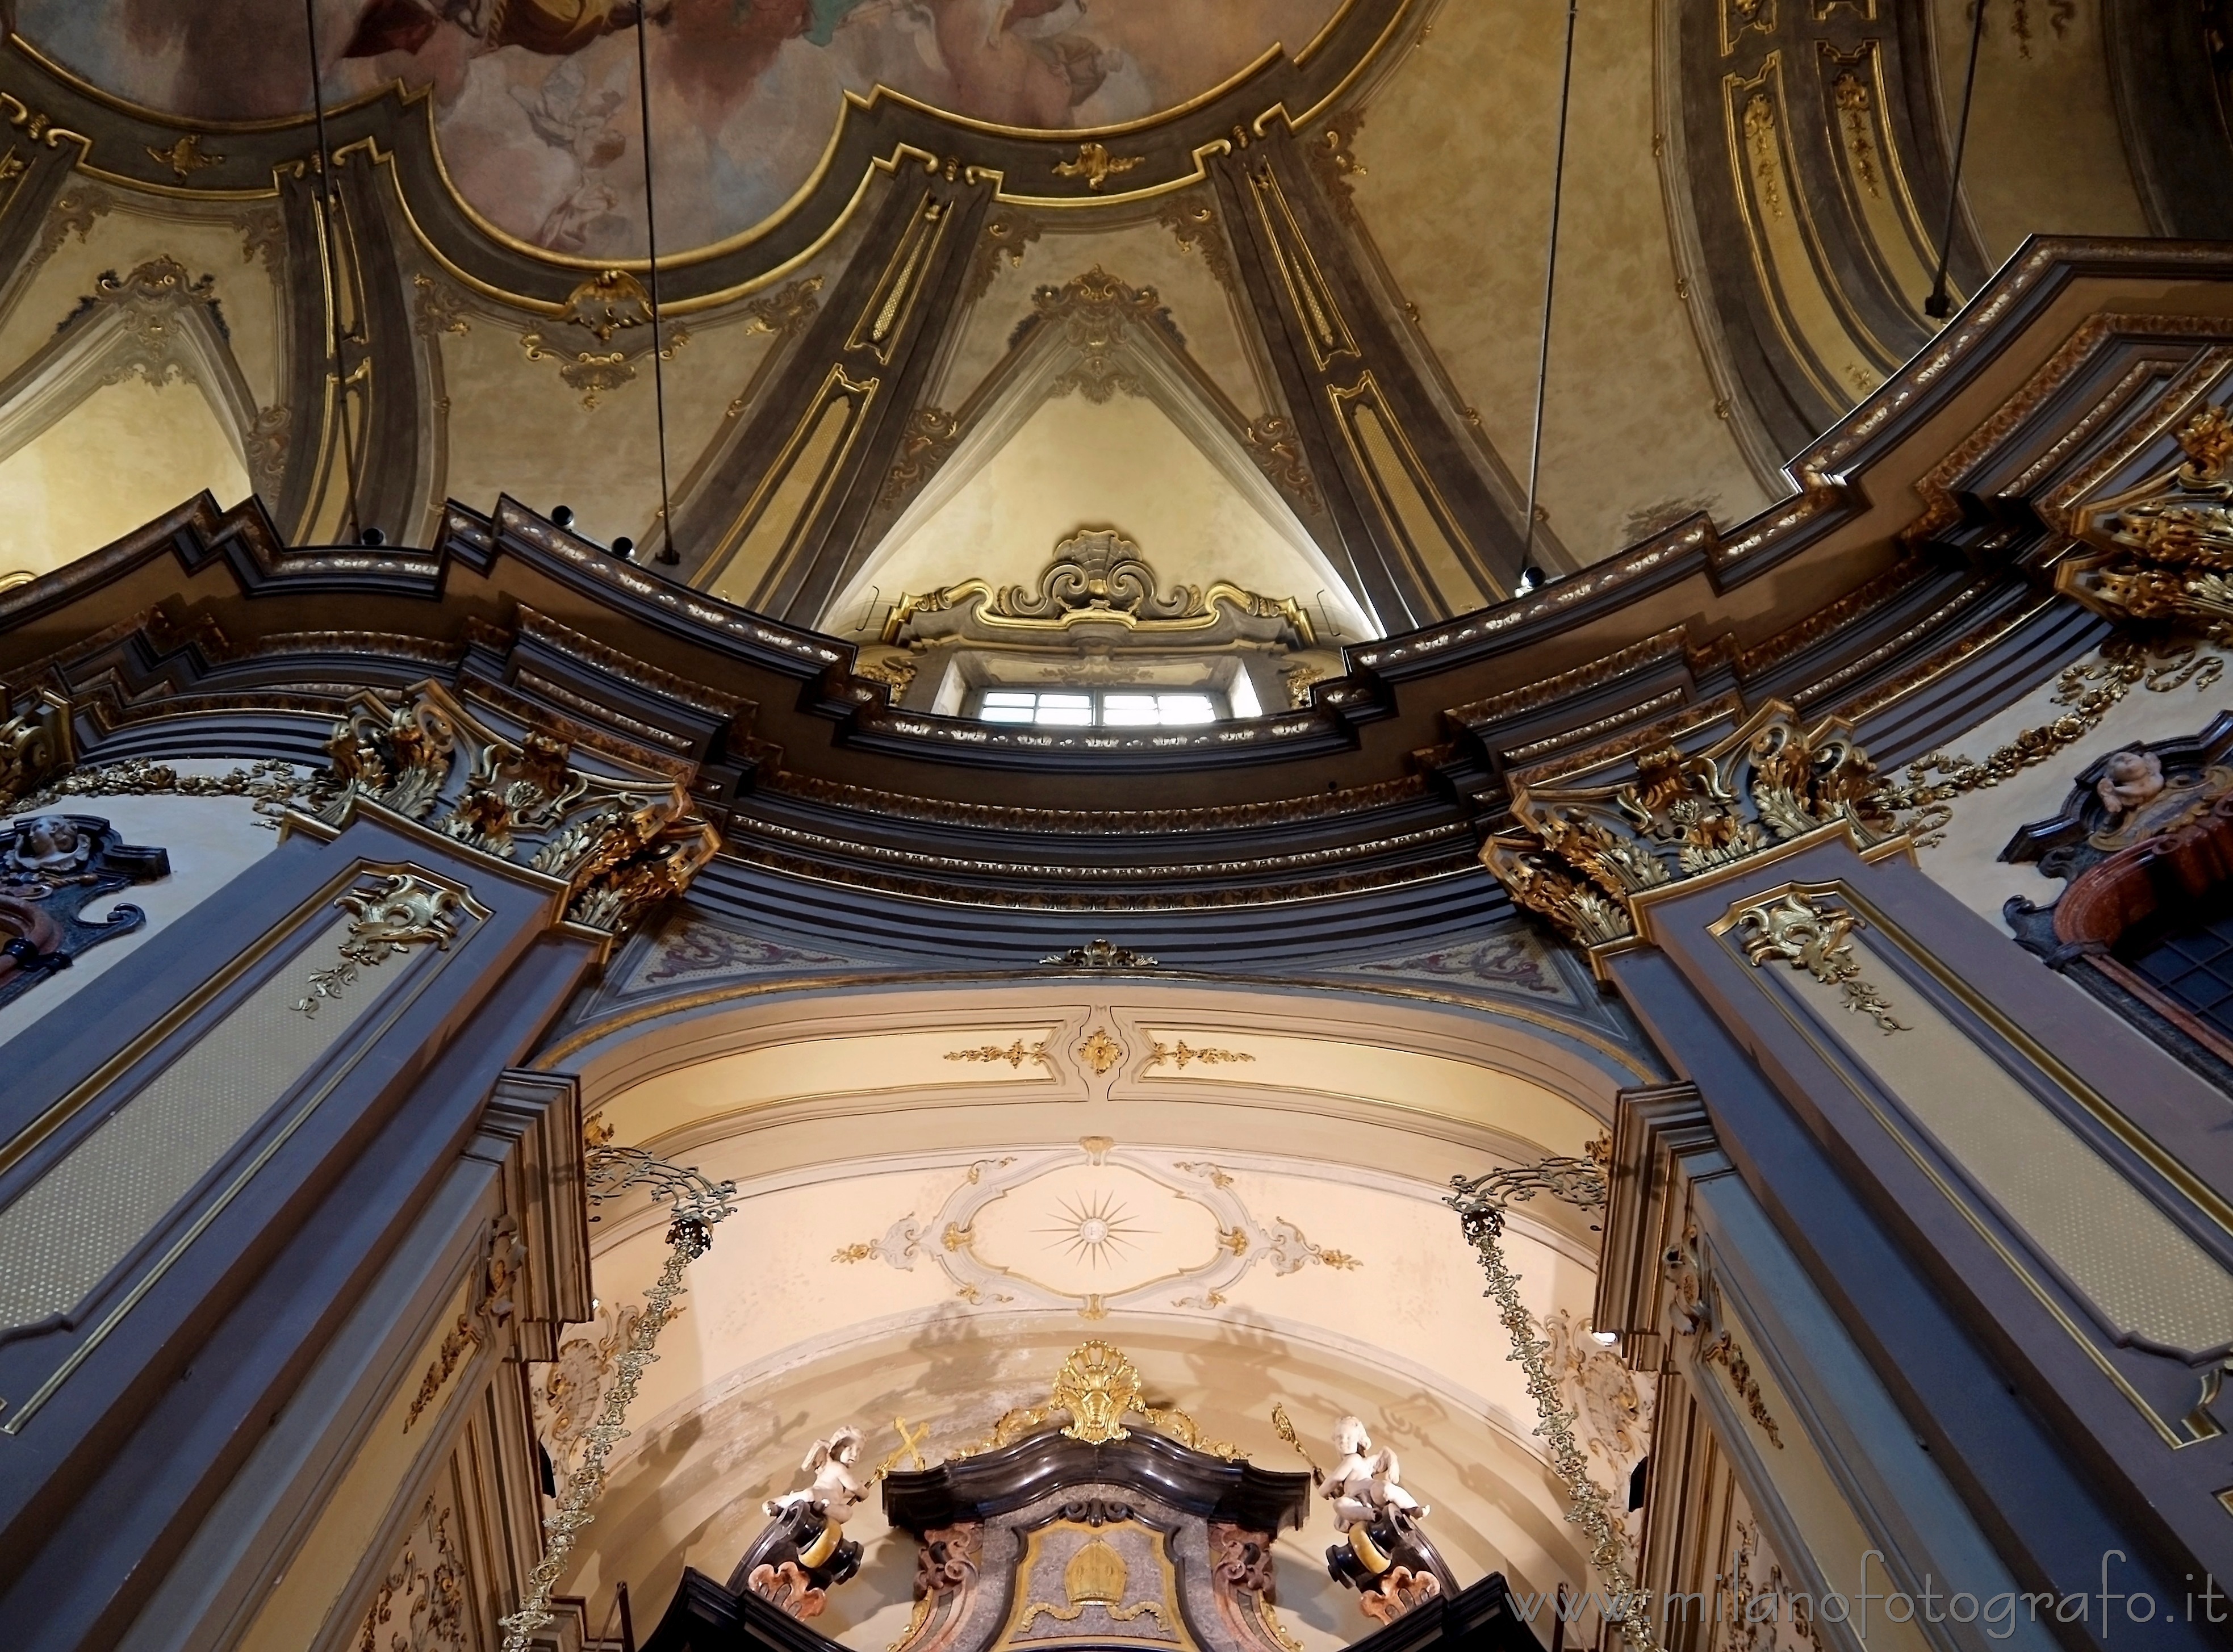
(1095, 1227)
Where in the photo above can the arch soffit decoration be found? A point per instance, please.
(1416, 1091)
(881, 132)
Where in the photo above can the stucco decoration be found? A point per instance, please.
(1095, 1227)
(569, 1389)
(1512, 965)
(534, 106)
(690, 949)
(1613, 1410)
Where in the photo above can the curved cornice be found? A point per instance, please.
(1909, 589)
(881, 132)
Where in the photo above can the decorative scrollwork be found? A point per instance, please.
(1919, 799)
(1585, 851)
(1098, 953)
(2164, 549)
(622, 841)
(1479, 1203)
(402, 912)
(693, 1199)
(1790, 928)
(698, 1203)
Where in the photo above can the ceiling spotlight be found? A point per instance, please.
(371, 537)
(1608, 1338)
(1532, 579)
(563, 514)
(623, 547)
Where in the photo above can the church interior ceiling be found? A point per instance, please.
(1749, 213)
(1131, 351)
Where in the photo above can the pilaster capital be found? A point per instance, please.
(619, 836)
(1603, 833)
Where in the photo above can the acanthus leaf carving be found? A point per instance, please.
(620, 842)
(2163, 551)
(1583, 852)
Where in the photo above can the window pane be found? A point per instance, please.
(1007, 706)
(1188, 708)
(1066, 711)
(1128, 711)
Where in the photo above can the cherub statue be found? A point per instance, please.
(1366, 1484)
(834, 1490)
(2129, 781)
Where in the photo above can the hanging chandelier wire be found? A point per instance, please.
(667, 552)
(331, 255)
(1550, 288)
(1940, 305)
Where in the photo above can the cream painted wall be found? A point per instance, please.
(781, 1342)
(1967, 862)
(127, 453)
(1459, 207)
(1075, 464)
(210, 840)
(2045, 157)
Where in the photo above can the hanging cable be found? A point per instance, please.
(1530, 576)
(666, 553)
(331, 254)
(1940, 305)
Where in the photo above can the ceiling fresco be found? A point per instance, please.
(535, 101)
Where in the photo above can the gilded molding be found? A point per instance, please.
(1358, 800)
(1585, 852)
(1792, 928)
(618, 844)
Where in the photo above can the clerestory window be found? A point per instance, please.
(1100, 708)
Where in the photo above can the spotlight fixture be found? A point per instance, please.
(623, 547)
(371, 537)
(1532, 579)
(563, 514)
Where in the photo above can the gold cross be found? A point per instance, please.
(910, 1446)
